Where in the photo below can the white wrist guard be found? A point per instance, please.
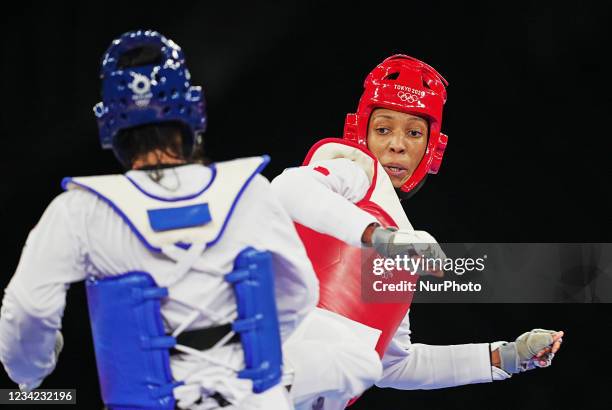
(391, 242)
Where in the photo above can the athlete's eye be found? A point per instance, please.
(415, 133)
(383, 130)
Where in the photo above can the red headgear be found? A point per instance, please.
(404, 84)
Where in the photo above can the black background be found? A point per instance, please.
(528, 158)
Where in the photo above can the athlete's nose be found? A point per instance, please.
(396, 144)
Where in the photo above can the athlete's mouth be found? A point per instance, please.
(395, 170)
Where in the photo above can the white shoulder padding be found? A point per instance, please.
(132, 203)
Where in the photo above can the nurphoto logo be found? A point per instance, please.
(396, 279)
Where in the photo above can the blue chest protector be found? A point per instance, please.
(131, 347)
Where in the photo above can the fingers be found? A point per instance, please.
(545, 361)
(557, 340)
(544, 351)
(554, 347)
(544, 357)
(558, 335)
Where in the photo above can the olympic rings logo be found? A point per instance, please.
(407, 97)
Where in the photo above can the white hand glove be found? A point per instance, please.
(391, 242)
(521, 355)
(59, 345)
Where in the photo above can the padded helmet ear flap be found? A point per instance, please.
(437, 154)
(350, 127)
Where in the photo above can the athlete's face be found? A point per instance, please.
(399, 141)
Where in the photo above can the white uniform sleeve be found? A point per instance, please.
(322, 195)
(270, 228)
(34, 300)
(412, 366)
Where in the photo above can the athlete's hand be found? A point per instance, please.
(28, 387)
(59, 345)
(530, 350)
(391, 242)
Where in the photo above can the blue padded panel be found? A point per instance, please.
(132, 349)
(257, 322)
(165, 219)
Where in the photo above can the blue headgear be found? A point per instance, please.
(148, 94)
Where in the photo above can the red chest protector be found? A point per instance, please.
(338, 264)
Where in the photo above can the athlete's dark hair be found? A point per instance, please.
(132, 143)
